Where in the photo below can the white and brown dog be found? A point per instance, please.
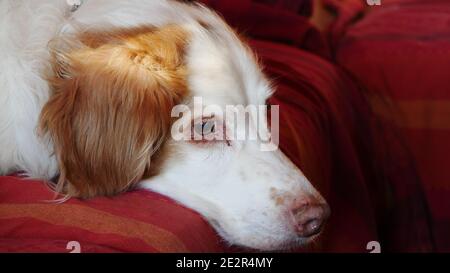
(88, 95)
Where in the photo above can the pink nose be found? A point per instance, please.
(309, 218)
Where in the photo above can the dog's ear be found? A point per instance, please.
(110, 110)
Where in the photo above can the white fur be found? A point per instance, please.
(25, 29)
(231, 186)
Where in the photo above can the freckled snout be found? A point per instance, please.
(309, 217)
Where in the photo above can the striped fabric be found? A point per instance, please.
(401, 53)
(137, 221)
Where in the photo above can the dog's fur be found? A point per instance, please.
(88, 96)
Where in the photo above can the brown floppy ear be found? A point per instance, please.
(110, 110)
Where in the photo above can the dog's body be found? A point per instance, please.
(88, 95)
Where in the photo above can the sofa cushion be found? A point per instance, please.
(401, 53)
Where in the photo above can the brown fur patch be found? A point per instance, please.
(110, 111)
(279, 198)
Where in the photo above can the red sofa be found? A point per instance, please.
(400, 52)
(356, 157)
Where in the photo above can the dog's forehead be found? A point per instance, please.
(213, 72)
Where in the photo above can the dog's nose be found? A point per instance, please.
(309, 218)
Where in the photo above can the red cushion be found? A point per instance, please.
(401, 52)
(138, 221)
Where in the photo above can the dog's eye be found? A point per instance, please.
(205, 127)
(209, 131)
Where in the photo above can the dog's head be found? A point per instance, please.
(115, 120)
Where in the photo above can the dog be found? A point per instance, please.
(87, 95)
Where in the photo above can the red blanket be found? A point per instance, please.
(401, 52)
